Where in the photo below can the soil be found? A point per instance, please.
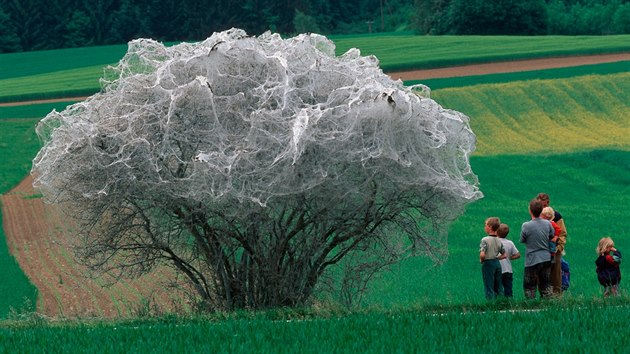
(35, 236)
(34, 230)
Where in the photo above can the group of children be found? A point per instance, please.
(496, 253)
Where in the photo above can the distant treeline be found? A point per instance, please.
(37, 25)
(522, 17)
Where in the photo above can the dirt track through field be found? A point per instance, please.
(35, 234)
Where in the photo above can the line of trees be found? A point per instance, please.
(36, 25)
(522, 17)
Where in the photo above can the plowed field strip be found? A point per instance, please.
(35, 237)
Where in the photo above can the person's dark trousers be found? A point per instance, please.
(537, 276)
(491, 274)
(506, 282)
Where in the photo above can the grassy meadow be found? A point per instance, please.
(76, 71)
(410, 331)
(562, 131)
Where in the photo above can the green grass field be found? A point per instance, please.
(564, 135)
(404, 52)
(572, 329)
(76, 71)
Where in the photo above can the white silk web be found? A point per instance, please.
(252, 118)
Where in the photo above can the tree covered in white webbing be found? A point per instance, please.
(259, 167)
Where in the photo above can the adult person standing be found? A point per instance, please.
(556, 264)
(535, 234)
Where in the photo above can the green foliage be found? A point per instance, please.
(581, 17)
(430, 16)
(77, 29)
(492, 17)
(508, 17)
(621, 19)
(9, 40)
(39, 25)
(305, 23)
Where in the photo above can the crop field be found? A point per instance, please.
(50, 74)
(562, 131)
(374, 332)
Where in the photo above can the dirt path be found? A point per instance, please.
(50, 100)
(35, 236)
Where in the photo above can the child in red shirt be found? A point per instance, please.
(547, 214)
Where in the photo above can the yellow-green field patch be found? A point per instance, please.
(540, 116)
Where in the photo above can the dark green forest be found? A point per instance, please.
(27, 25)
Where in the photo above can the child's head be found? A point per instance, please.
(547, 213)
(503, 230)
(492, 224)
(604, 245)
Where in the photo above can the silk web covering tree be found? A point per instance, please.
(264, 169)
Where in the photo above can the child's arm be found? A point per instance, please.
(516, 255)
(502, 252)
(483, 247)
(614, 257)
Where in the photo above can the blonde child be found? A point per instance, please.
(548, 214)
(608, 260)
